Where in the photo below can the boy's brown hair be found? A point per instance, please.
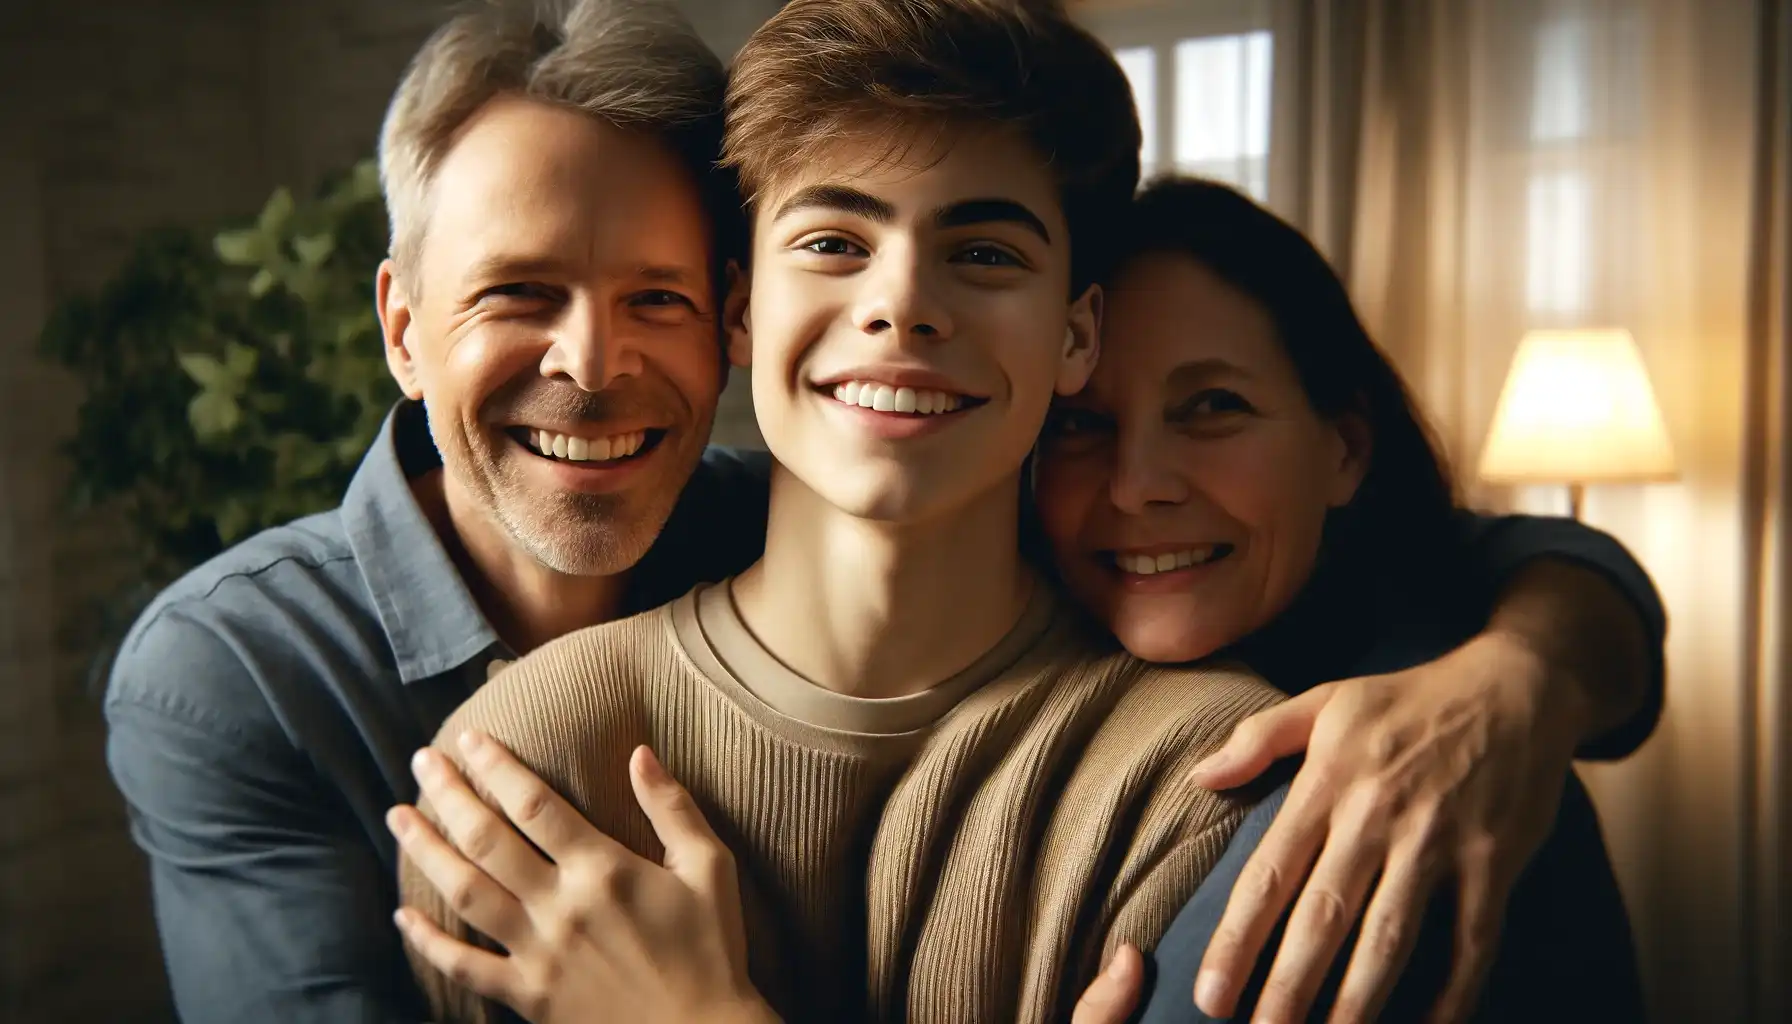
(823, 70)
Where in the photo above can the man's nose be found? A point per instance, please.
(588, 348)
(901, 295)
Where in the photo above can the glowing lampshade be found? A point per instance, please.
(1577, 408)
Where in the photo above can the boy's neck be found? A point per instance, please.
(878, 610)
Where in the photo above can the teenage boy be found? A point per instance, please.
(929, 184)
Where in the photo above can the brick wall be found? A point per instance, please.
(119, 115)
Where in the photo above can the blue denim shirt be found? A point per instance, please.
(264, 709)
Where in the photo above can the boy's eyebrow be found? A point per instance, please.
(841, 198)
(985, 211)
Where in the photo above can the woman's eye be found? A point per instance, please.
(1216, 402)
(833, 247)
(1076, 423)
(988, 256)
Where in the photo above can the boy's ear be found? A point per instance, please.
(392, 303)
(1082, 342)
(737, 316)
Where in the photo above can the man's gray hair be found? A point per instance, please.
(637, 64)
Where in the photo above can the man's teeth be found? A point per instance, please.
(581, 449)
(884, 398)
(1146, 565)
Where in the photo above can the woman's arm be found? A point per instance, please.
(1450, 770)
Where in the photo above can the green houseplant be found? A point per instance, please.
(231, 383)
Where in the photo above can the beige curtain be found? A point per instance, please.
(1478, 169)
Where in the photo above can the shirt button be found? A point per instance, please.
(496, 666)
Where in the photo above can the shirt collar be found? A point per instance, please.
(428, 614)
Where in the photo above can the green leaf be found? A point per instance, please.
(277, 212)
(233, 521)
(244, 248)
(313, 250)
(240, 360)
(262, 283)
(213, 414)
(205, 370)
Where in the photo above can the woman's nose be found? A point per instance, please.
(1145, 476)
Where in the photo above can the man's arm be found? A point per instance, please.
(270, 905)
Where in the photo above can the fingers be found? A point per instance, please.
(1264, 887)
(482, 836)
(1322, 919)
(693, 852)
(531, 804)
(470, 892)
(1390, 928)
(481, 971)
(1261, 740)
(1114, 993)
(1480, 908)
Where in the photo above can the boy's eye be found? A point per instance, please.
(988, 256)
(833, 247)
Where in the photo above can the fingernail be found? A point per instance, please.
(1205, 770)
(424, 764)
(1119, 966)
(1210, 987)
(402, 918)
(398, 822)
(651, 769)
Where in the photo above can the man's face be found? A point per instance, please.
(908, 322)
(560, 329)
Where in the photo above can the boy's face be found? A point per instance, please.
(907, 322)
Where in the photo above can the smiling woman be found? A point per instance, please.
(1246, 477)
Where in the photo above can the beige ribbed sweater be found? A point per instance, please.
(966, 854)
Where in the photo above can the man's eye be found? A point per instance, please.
(833, 247)
(529, 290)
(988, 256)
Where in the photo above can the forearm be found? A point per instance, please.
(1591, 644)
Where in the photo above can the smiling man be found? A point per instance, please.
(551, 312)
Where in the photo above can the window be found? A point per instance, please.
(1200, 74)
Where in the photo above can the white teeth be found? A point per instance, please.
(582, 449)
(883, 398)
(1148, 565)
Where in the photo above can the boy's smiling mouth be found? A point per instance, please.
(911, 401)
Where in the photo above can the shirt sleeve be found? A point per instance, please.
(269, 904)
(1501, 545)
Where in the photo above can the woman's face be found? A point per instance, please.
(1185, 489)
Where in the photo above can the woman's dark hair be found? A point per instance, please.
(1400, 522)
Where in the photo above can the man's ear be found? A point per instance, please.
(1356, 445)
(737, 315)
(392, 302)
(1082, 342)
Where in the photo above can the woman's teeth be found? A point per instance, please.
(580, 449)
(1148, 565)
(884, 398)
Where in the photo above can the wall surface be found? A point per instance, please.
(121, 115)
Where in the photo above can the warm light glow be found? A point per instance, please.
(1577, 408)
